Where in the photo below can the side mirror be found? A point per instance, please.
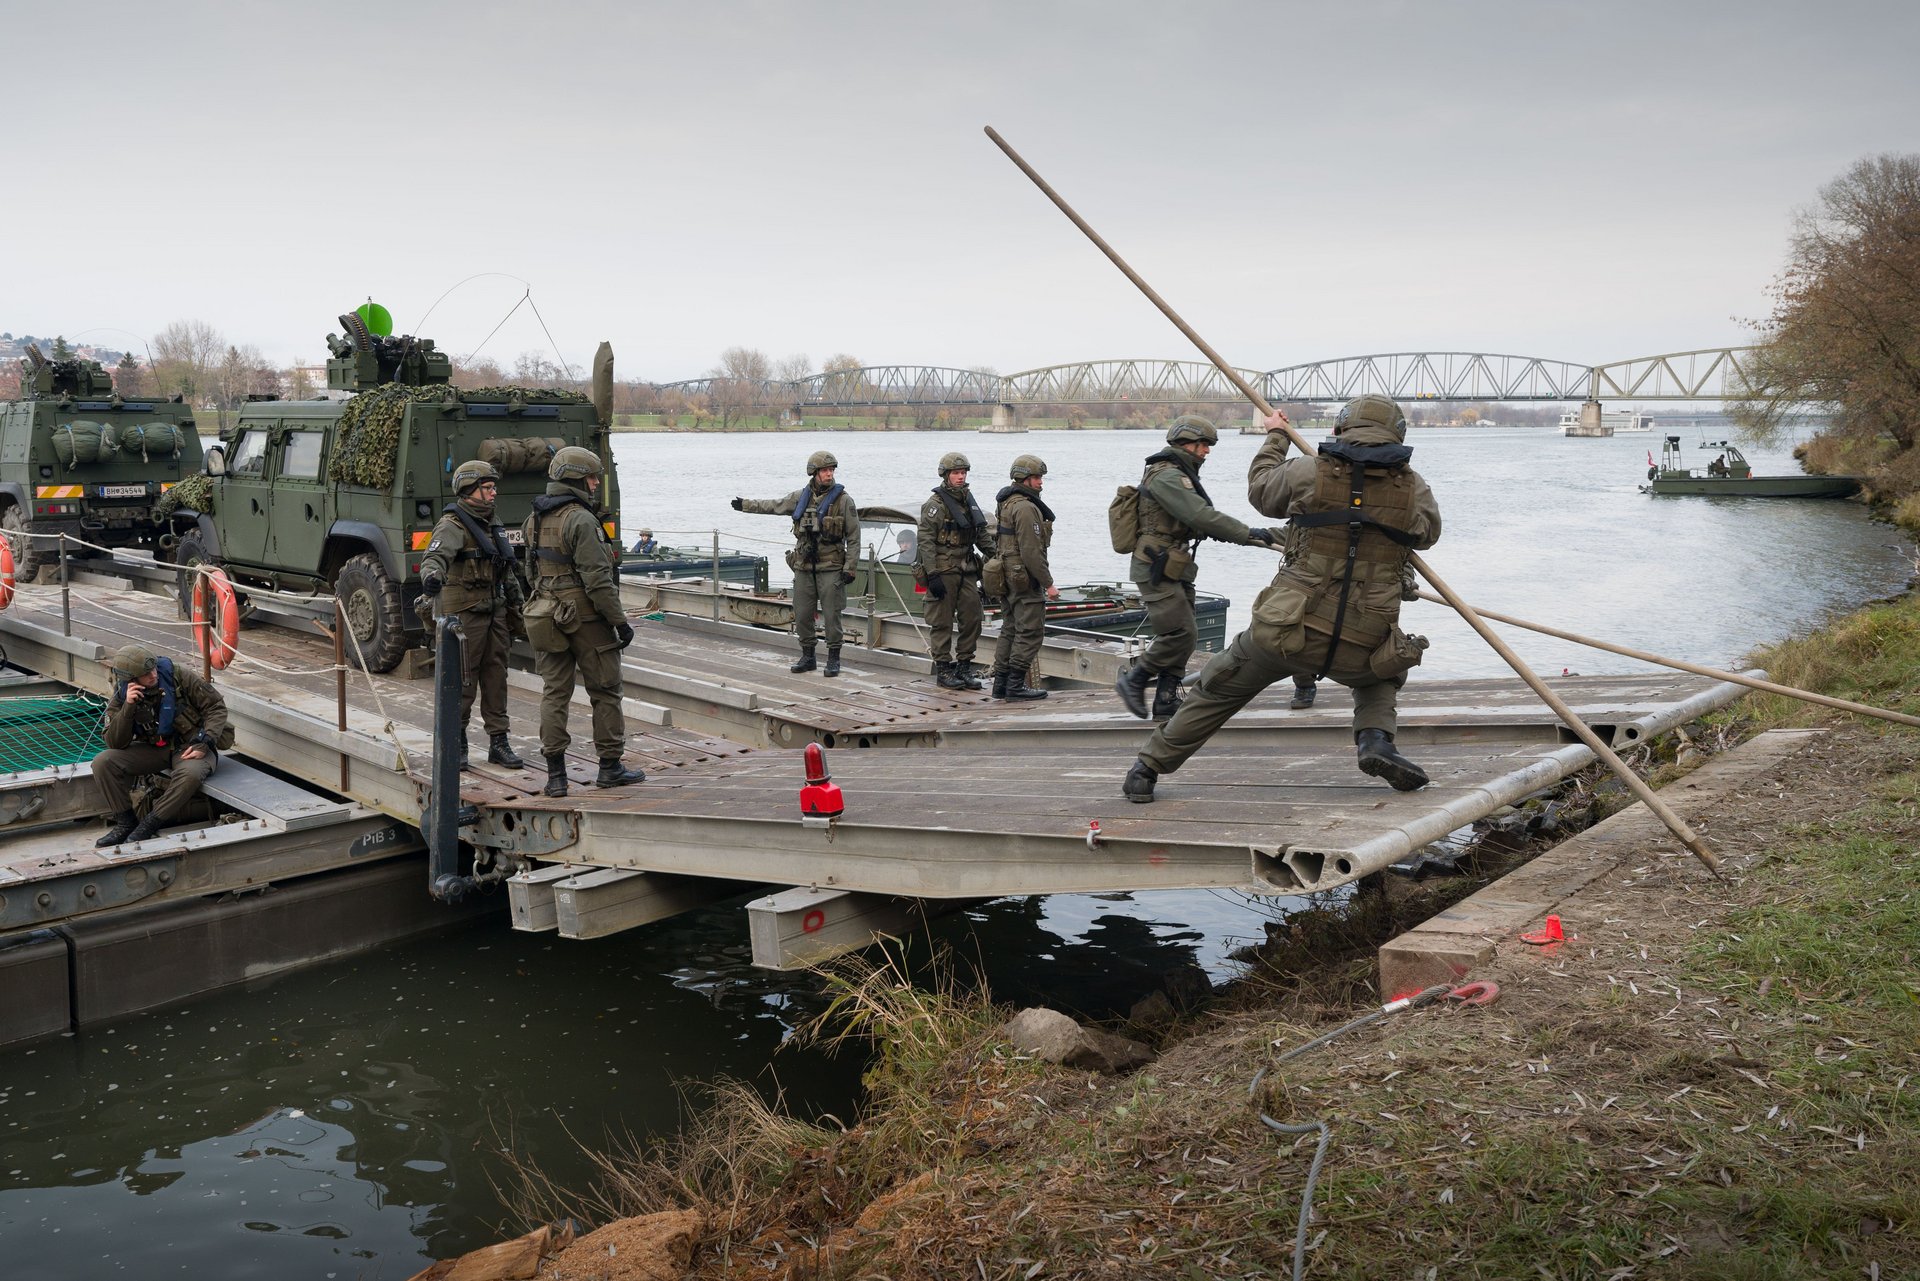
(217, 461)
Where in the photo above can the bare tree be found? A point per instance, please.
(185, 355)
(128, 376)
(469, 373)
(739, 383)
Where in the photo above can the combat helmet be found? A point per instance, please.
(131, 661)
(1026, 465)
(1371, 411)
(955, 461)
(469, 474)
(572, 465)
(1192, 429)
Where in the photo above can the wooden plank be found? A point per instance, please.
(799, 927)
(594, 904)
(531, 899)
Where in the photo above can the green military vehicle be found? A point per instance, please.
(340, 495)
(76, 458)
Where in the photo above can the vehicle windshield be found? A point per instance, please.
(249, 456)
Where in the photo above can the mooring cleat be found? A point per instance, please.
(1139, 785)
(1378, 758)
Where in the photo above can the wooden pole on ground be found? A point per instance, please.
(1675, 824)
(1681, 665)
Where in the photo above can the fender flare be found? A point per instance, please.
(17, 493)
(363, 531)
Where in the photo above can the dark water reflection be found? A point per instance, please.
(342, 1122)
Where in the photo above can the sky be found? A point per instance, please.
(1577, 181)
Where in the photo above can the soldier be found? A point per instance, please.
(159, 718)
(1024, 529)
(955, 541)
(1358, 509)
(645, 545)
(469, 575)
(1175, 515)
(826, 536)
(574, 619)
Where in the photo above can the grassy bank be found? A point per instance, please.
(827, 422)
(1715, 1079)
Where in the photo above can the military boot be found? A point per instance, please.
(999, 685)
(615, 774)
(1019, 691)
(833, 661)
(1378, 758)
(967, 674)
(123, 824)
(1302, 696)
(947, 675)
(1138, 787)
(556, 774)
(806, 663)
(465, 764)
(1167, 696)
(1132, 689)
(145, 830)
(500, 752)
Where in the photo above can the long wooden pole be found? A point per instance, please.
(1698, 669)
(1675, 824)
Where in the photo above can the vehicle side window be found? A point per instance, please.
(302, 458)
(249, 456)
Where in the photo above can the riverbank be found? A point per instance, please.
(1715, 1078)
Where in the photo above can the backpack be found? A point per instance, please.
(1123, 518)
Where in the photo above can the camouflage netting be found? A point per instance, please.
(195, 493)
(366, 444)
(367, 441)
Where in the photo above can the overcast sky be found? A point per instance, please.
(1582, 181)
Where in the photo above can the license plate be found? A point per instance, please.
(517, 537)
(123, 491)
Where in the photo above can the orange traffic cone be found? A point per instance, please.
(1551, 934)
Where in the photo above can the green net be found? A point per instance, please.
(195, 493)
(367, 441)
(39, 732)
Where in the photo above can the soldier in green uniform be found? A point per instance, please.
(1334, 611)
(469, 575)
(955, 541)
(160, 717)
(1175, 515)
(574, 620)
(826, 537)
(1019, 572)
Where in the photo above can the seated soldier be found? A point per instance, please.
(159, 718)
(645, 545)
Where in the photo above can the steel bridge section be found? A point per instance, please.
(1149, 382)
(1712, 373)
(1430, 375)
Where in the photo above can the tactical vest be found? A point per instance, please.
(815, 524)
(1158, 529)
(552, 568)
(1355, 539)
(1006, 542)
(473, 576)
(169, 707)
(956, 537)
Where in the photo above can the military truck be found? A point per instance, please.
(77, 458)
(340, 495)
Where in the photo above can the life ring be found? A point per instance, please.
(6, 573)
(218, 654)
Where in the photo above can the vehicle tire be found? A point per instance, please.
(191, 551)
(30, 555)
(372, 604)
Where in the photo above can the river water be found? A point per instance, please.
(345, 1121)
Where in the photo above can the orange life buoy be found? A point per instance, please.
(6, 573)
(217, 653)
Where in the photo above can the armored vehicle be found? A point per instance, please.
(341, 495)
(76, 458)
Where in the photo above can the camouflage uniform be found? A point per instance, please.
(826, 549)
(137, 745)
(575, 623)
(1023, 531)
(955, 540)
(481, 591)
(1296, 616)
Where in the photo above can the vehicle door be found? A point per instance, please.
(300, 508)
(242, 507)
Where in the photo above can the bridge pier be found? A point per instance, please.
(1006, 418)
(1590, 419)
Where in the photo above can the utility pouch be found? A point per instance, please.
(1177, 566)
(566, 616)
(542, 633)
(1397, 655)
(1280, 617)
(1019, 581)
(993, 577)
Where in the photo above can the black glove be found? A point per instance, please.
(623, 632)
(936, 589)
(431, 584)
(739, 504)
(1266, 537)
(847, 576)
